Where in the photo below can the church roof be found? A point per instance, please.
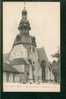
(19, 61)
(25, 39)
(42, 54)
(8, 68)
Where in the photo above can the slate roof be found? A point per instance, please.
(19, 61)
(8, 68)
(42, 54)
(21, 40)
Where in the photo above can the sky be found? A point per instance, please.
(44, 18)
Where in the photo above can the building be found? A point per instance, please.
(47, 74)
(56, 67)
(29, 61)
(10, 74)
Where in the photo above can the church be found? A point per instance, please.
(26, 62)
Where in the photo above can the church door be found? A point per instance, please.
(43, 66)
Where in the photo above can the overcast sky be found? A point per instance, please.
(44, 19)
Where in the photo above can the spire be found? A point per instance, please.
(24, 12)
(24, 5)
(24, 25)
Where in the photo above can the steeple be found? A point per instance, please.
(24, 12)
(24, 25)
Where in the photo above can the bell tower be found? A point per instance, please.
(24, 48)
(24, 25)
(24, 36)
